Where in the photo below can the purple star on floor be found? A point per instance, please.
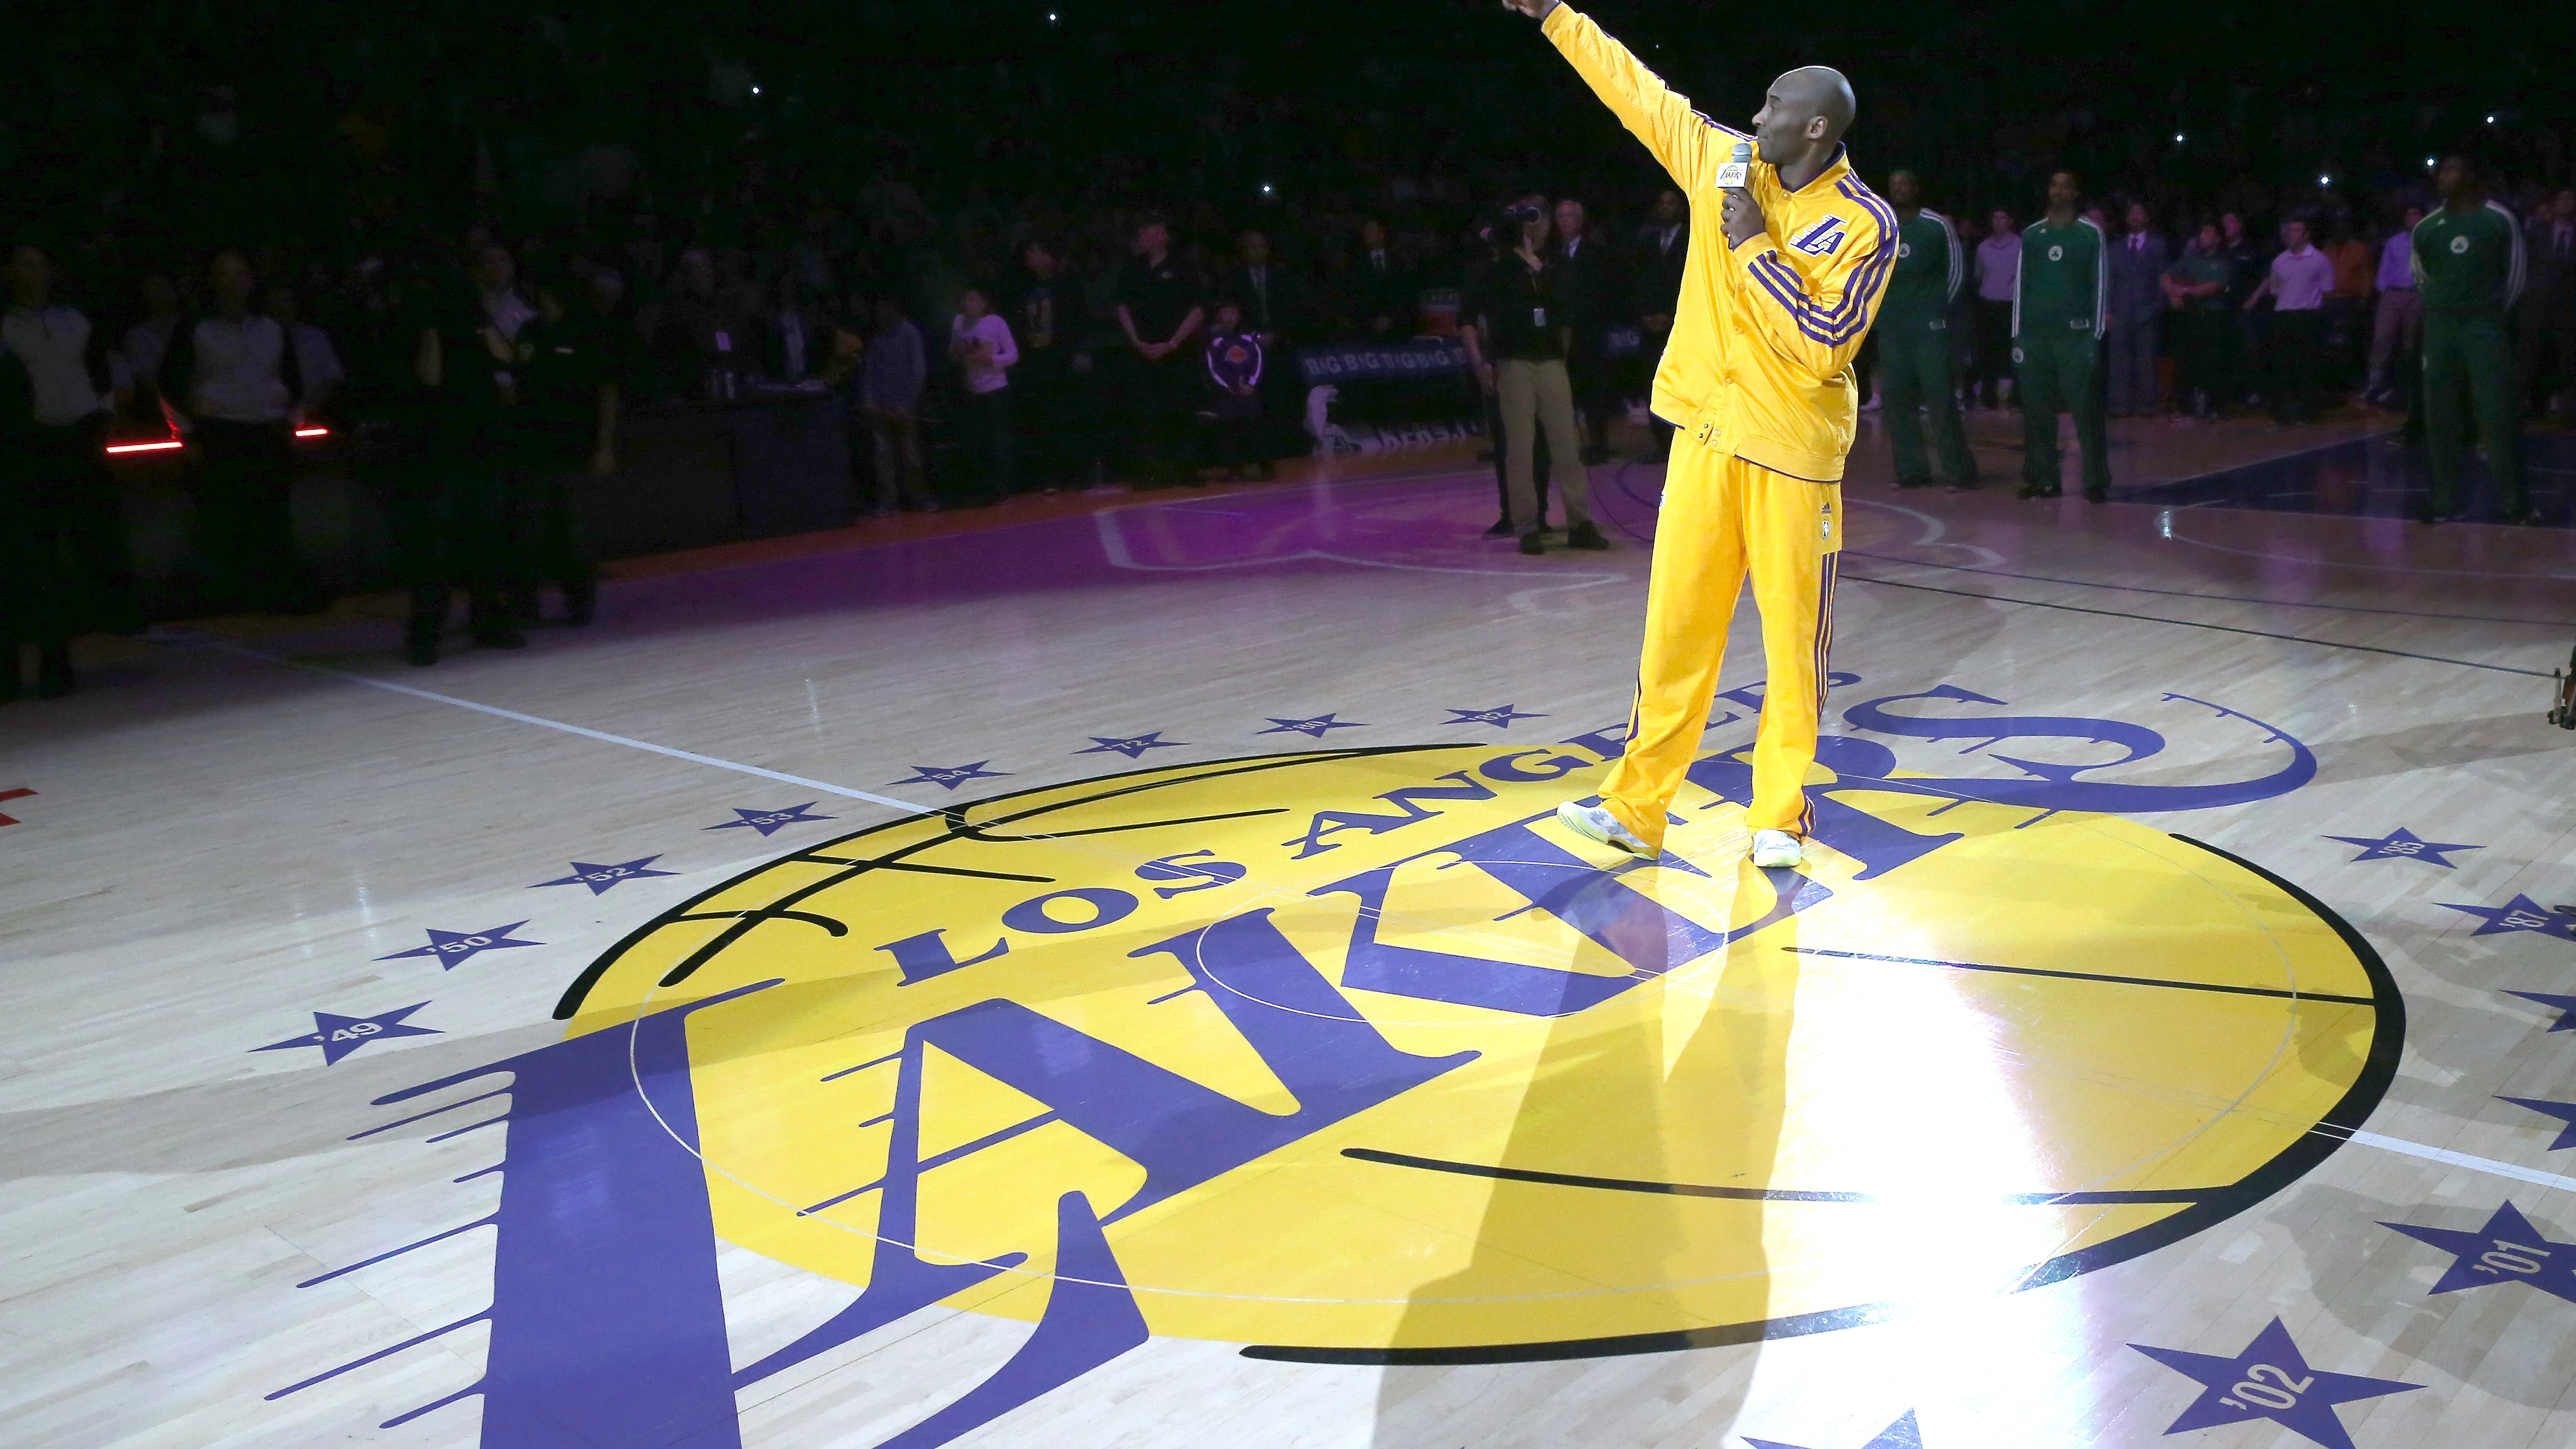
(1311, 728)
(949, 777)
(2270, 1380)
(2404, 844)
(2565, 1112)
(770, 822)
(2565, 1005)
(455, 948)
(1131, 748)
(1900, 1435)
(604, 878)
(1500, 719)
(2507, 1250)
(338, 1036)
(2522, 913)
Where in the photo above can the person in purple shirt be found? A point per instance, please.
(1233, 361)
(2395, 328)
(2300, 278)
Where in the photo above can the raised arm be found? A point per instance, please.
(1817, 318)
(1679, 137)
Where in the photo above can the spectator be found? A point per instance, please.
(1158, 312)
(1587, 288)
(1234, 359)
(570, 375)
(2546, 341)
(1045, 315)
(315, 358)
(890, 383)
(459, 521)
(62, 549)
(2348, 303)
(145, 343)
(794, 329)
(980, 343)
(2396, 325)
(1378, 292)
(1516, 339)
(2138, 262)
(2298, 282)
(2195, 288)
(232, 380)
(1998, 278)
(1663, 250)
(1273, 303)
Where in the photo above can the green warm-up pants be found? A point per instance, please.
(2469, 353)
(1915, 372)
(2056, 366)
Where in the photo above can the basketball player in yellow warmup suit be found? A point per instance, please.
(1789, 257)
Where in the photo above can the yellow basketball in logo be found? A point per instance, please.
(1357, 1054)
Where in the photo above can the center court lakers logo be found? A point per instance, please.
(1356, 1056)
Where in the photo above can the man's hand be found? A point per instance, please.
(1484, 375)
(1534, 9)
(1744, 219)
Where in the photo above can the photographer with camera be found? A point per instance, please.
(1517, 339)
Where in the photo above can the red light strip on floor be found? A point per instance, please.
(166, 444)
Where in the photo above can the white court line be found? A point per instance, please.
(2461, 1159)
(647, 746)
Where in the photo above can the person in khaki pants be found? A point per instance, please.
(1517, 338)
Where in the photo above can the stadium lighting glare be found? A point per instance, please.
(755, 90)
(160, 447)
(2490, 120)
(2177, 138)
(1265, 188)
(2323, 180)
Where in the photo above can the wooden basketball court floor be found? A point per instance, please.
(1102, 973)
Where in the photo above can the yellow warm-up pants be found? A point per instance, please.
(1721, 518)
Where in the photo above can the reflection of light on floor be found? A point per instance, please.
(1900, 1087)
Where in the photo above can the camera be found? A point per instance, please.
(1522, 213)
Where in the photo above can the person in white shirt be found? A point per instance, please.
(232, 383)
(1998, 282)
(2299, 280)
(980, 343)
(62, 547)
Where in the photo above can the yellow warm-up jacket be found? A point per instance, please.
(1764, 333)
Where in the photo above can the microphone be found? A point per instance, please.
(1737, 171)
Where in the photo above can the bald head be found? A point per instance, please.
(1818, 92)
(1803, 117)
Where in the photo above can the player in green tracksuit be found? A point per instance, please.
(2468, 270)
(1913, 333)
(2057, 341)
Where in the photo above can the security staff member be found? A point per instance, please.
(2469, 271)
(1913, 332)
(2057, 342)
(1783, 278)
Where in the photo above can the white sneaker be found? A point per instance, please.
(1773, 849)
(1599, 826)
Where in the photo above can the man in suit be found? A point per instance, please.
(1274, 305)
(1587, 288)
(2138, 261)
(1378, 291)
(1655, 281)
(2547, 338)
